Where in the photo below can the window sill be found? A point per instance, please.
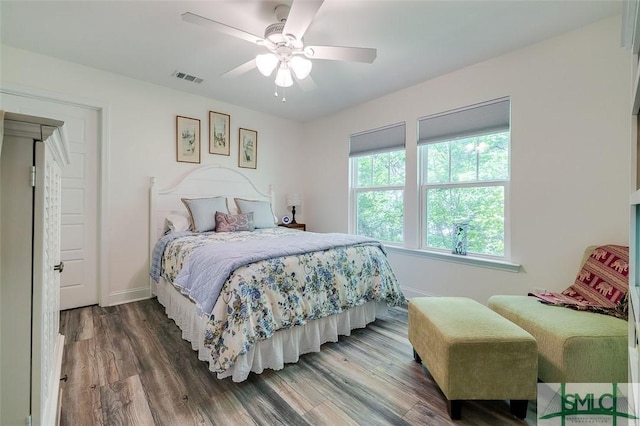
(500, 265)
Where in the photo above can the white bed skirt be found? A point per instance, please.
(285, 346)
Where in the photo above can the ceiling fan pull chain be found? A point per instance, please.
(284, 99)
(276, 92)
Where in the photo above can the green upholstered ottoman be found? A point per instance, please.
(573, 346)
(473, 353)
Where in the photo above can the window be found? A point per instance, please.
(377, 183)
(464, 163)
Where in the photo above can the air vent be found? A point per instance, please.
(187, 77)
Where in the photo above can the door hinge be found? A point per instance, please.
(29, 421)
(32, 179)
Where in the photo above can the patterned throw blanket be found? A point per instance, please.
(601, 286)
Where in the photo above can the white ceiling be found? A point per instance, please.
(416, 41)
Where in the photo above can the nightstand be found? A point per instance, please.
(299, 226)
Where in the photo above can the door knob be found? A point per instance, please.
(59, 267)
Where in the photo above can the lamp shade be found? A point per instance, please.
(294, 199)
(283, 77)
(300, 66)
(266, 63)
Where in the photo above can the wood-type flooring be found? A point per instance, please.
(128, 365)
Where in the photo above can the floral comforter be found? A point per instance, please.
(278, 293)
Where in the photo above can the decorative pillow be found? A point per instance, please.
(176, 222)
(231, 223)
(202, 212)
(262, 214)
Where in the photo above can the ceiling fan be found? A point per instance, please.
(284, 42)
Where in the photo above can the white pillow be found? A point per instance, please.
(176, 222)
(202, 212)
(262, 214)
(231, 205)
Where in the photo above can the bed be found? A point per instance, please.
(255, 296)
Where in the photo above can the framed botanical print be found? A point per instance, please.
(247, 148)
(187, 139)
(219, 131)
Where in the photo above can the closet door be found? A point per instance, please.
(47, 343)
(80, 193)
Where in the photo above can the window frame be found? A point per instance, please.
(355, 189)
(423, 187)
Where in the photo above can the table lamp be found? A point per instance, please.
(293, 200)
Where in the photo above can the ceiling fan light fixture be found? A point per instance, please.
(300, 66)
(283, 77)
(266, 63)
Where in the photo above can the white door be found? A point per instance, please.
(79, 283)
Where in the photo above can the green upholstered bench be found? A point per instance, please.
(573, 346)
(473, 353)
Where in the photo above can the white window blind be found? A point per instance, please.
(384, 139)
(475, 120)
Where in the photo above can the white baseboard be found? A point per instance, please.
(414, 292)
(126, 296)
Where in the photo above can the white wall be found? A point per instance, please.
(570, 101)
(141, 144)
(570, 155)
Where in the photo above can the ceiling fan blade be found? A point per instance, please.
(339, 53)
(306, 84)
(300, 16)
(221, 28)
(239, 70)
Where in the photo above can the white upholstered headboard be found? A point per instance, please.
(204, 181)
